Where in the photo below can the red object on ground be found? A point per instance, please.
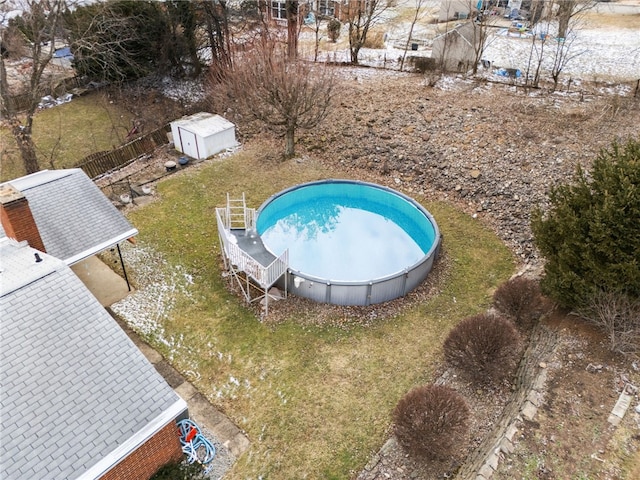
(190, 436)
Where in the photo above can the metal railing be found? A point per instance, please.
(234, 256)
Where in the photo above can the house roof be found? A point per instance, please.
(74, 218)
(77, 395)
(204, 124)
(466, 31)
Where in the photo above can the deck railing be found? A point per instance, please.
(263, 276)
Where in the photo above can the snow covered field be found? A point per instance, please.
(596, 54)
(607, 48)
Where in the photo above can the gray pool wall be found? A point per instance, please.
(362, 293)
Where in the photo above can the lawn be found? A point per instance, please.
(314, 400)
(67, 133)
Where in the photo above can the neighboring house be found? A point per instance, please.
(277, 9)
(73, 218)
(327, 8)
(454, 50)
(457, 9)
(78, 400)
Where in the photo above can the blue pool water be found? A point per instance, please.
(344, 231)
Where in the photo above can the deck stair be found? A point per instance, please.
(244, 255)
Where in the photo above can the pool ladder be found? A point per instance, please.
(239, 217)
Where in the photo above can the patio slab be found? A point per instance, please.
(105, 284)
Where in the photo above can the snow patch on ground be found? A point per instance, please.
(150, 306)
(187, 91)
(595, 54)
(158, 287)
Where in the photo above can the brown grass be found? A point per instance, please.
(315, 398)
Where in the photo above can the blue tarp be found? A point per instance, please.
(62, 53)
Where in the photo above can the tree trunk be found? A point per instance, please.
(290, 142)
(189, 34)
(565, 12)
(354, 43)
(317, 40)
(292, 29)
(218, 33)
(406, 47)
(22, 134)
(563, 27)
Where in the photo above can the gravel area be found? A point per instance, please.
(223, 460)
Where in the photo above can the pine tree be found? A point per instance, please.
(590, 237)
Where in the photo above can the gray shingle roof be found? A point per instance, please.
(74, 217)
(74, 388)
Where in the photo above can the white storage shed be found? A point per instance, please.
(203, 134)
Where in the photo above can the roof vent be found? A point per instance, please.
(38, 259)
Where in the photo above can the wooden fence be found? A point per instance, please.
(22, 102)
(98, 163)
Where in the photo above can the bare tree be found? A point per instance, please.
(110, 40)
(562, 55)
(540, 27)
(418, 13)
(39, 24)
(442, 42)
(282, 95)
(482, 24)
(323, 16)
(567, 11)
(554, 26)
(462, 48)
(618, 315)
(361, 16)
(216, 20)
(317, 22)
(181, 44)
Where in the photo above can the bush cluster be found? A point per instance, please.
(483, 348)
(431, 421)
(333, 29)
(521, 300)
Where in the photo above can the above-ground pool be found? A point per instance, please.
(350, 243)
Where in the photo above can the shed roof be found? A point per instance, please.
(204, 124)
(77, 395)
(74, 218)
(466, 31)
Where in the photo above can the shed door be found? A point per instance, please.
(188, 142)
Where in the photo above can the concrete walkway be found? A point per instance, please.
(200, 410)
(106, 285)
(109, 287)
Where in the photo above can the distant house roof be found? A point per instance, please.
(75, 219)
(77, 395)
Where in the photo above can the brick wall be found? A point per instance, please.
(162, 448)
(16, 218)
